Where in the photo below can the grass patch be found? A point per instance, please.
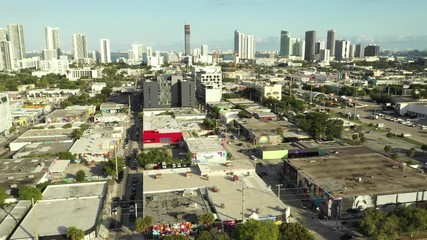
(350, 142)
(411, 141)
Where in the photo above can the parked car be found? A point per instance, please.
(132, 209)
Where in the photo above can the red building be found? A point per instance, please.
(162, 129)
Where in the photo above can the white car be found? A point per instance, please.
(132, 209)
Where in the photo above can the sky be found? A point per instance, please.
(393, 24)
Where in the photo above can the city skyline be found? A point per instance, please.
(367, 22)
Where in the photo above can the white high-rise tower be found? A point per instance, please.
(52, 38)
(16, 38)
(80, 46)
(244, 46)
(105, 50)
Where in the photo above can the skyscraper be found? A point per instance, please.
(6, 56)
(342, 50)
(52, 38)
(330, 42)
(320, 45)
(105, 50)
(187, 40)
(310, 41)
(3, 34)
(80, 46)
(16, 38)
(285, 44)
(244, 46)
(136, 52)
(358, 53)
(205, 50)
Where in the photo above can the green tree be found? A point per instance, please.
(395, 156)
(213, 235)
(27, 193)
(355, 136)
(363, 139)
(3, 196)
(80, 176)
(379, 225)
(110, 166)
(257, 230)
(390, 135)
(12, 129)
(424, 147)
(143, 224)
(387, 149)
(66, 156)
(74, 233)
(107, 91)
(410, 153)
(76, 134)
(294, 231)
(68, 125)
(206, 218)
(208, 123)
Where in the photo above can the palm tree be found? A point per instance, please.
(76, 134)
(387, 149)
(142, 224)
(411, 153)
(74, 233)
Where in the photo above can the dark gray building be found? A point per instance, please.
(169, 91)
(310, 42)
(330, 42)
(358, 52)
(372, 50)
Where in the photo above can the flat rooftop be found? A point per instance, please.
(64, 113)
(81, 208)
(204, 144)
(258, 196)
(40, 148)
(161, 123)
(338, 174)
(10, 216)
(173, 207)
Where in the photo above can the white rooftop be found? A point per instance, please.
(162, 123)
(206, 144)
(76, 205)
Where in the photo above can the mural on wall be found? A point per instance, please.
(363, 202)
(208, 157)
(314, 193)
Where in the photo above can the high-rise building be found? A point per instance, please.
(169, 91)
(137, 51)
(324, 55)
(320, 45)
(80, 46)
(244, 46)
(187, 40)
(352, 50)
(285, 44)
(6, 57)
(358, 52)
(52, 38)
(16, 38)
(330, 42)
(49, 54)
(342, 50)
(299, 48)
(205, 50)
(3, 34)
(372, 50)
(105, 50)
(208, 83)
(5, 114)
(310, 41)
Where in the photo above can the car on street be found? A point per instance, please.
(115, 202)
(132, 209)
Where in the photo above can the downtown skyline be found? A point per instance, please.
(213, 22)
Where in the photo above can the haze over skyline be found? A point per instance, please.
(393, 24)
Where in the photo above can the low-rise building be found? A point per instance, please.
(81, 203)
(160, 130)
(5, 114)
(260, 132)
(40, 138)
(206, 150)
(70, 114)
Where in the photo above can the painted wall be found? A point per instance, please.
(210, 157)
(155, 137)
(274, 154)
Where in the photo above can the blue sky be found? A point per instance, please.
(394, 24)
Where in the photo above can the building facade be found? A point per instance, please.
(330, 42)
(372, 50)
(310, 41)
(208, 83)
(16, 38)
(6, 56)
(80, 47)
(342, 50)
(53, 40)
(5, 114)
(105, 50)
(187, 40)
(244, 46)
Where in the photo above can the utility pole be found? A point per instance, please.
(278, 190)
(243, 203)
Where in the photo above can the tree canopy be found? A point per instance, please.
(80, 176)
(110, 166)
(206, 218)
(294, 231)
(27, 193)
(143, 224)
(74, 233)
(318, 125)
(257, 230)
(3, 196)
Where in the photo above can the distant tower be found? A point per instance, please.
(330, 42)
(310, 42)
(16, 37)
(6, 56)
(80, 46)
(205, 50)
(187, 40)
(105, 50)
(52, 38)
(285, 44)
(3, 34)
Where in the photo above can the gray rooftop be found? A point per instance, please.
(205, 144)
(82, 209)
(161, 123)
(380, 175)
